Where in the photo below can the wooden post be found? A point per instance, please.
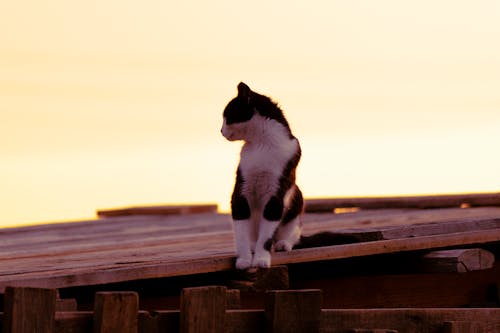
(29, 310)
(233, 299)
(293, 311)
(116, 312)
(203, 309)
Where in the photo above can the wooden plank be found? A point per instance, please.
(155, 254)
(29, 310)
(387, 218)
(245, 321)
(460, 260)
(375, 330)
(116, 312)
(157, 210)
(293, 311)
(203, 263)
(233, 299)
(66, 305)
(332, 321)
(83, 237)
(203, 309)
(419, 202)
(159, 321)
(122, 225)
(462, 327)
(446, 227)
(74, 322)
(374, 282)
(405, 320)
(121, 254)
(131, 245)
(386, 246)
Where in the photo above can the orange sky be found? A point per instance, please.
(114, 103)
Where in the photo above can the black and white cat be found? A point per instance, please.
(266, 203)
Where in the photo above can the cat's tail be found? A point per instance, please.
(325, 238)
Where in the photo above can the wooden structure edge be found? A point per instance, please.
(313, 205)
(138, 271)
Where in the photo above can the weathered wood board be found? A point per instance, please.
(140, 247)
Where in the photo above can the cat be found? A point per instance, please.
(266, 204)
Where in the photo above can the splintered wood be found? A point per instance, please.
(137, 247)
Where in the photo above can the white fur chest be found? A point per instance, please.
(262, 165)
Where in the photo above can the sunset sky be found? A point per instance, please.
(114, 103)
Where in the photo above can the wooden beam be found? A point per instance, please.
(203, 309)
(293, 311)
(386, 246)
(29, 310)
(418, 202)
(116, 312)
(157, 210)
(461, 260)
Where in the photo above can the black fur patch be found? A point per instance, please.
(269, 109)
(268, 245)
(240, 209)
(243, 107)
(274, 209)
(238, 110)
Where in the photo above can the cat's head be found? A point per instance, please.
(250, 114)
(238, 113)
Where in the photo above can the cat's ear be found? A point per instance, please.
(244, 91)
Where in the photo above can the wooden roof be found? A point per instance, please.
(134, 247)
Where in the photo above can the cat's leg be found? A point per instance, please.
(267, 227)
(243, 244)
(242, 225)
(288, 233)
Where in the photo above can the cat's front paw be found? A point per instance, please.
(283, 245)
(243, 263)
(262, 260)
